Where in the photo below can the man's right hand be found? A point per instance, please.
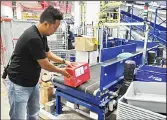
(45, 64)
(64, 72)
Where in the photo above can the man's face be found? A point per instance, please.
(51, 28)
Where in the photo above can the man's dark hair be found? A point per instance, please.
(51, 14)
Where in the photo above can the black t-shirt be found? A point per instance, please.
(24, 69)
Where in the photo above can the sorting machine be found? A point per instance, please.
(100, 93)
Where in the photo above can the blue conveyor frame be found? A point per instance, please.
(111, 76)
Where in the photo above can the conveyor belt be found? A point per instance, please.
(91, 86)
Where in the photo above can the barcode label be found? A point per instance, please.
(79, 71)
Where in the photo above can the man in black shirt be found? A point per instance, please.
(30, 55)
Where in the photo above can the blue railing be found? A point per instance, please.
(157, 31)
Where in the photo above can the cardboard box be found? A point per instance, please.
(80, 73)
(46, 92)
(93, 57)
(89, 57)
(85, 43)
(50, 106)
(82, 56)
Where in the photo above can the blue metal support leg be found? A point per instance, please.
(131, 25)
(100, 110)
(58, 105)
(101, 114)
(155, 20)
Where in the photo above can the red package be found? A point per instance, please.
(80, 73)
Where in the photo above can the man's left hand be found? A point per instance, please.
(69, 63)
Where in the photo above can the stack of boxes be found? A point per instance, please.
(47, 91)
(86, 49)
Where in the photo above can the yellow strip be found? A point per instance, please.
(4, 94)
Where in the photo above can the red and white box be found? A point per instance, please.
(80, 73)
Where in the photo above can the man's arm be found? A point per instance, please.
(36, 49)
(55, 58)
(51, 56)
(45, 64)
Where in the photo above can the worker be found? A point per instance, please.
(32, 53)
(70, 38)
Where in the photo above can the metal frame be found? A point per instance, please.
(111, 25)
(92, 107)
(160, 30)
(127, 111)
(151, 73)
(96, 103)
(110, 53)
(156, 32)
(106, 9)
(7, 44)
(108, 78)
(108, 83)
(140, 44)
(19, 26)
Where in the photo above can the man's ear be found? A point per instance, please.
(45, 24)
